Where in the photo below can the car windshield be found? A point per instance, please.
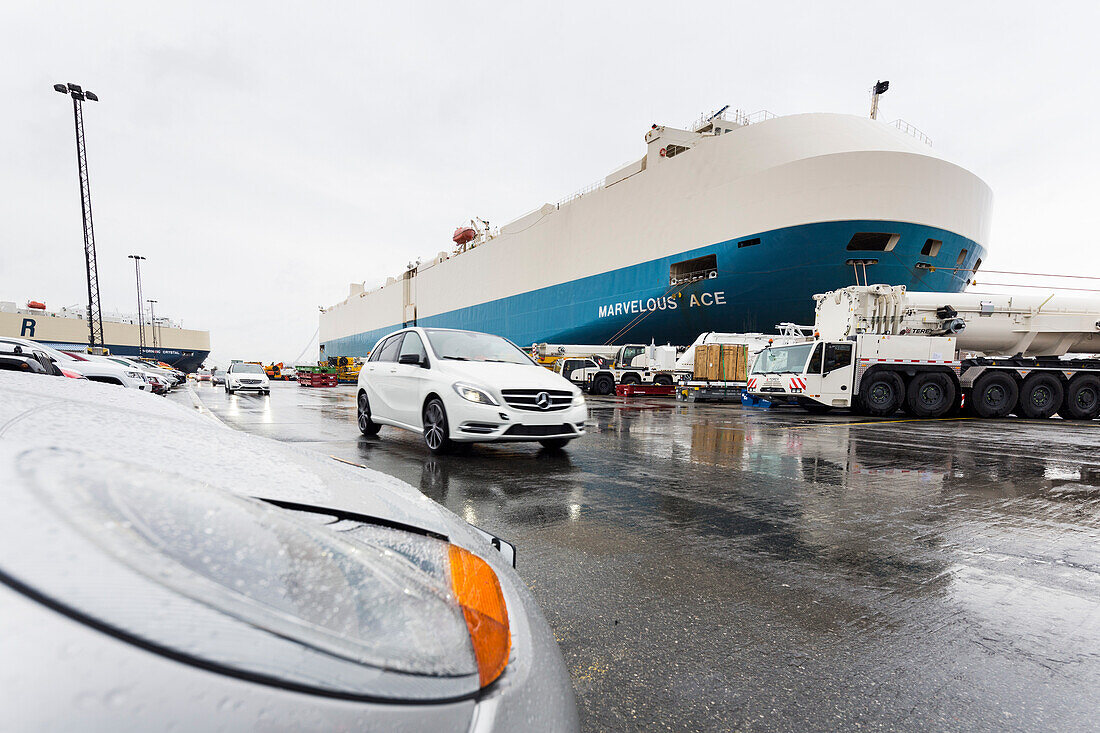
(247, 369)
(473, 346)
(777, 359)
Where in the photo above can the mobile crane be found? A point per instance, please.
(880, 348)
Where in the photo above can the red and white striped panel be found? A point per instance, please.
(907, 361)
(797, 383)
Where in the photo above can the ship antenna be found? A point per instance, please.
(877, 90)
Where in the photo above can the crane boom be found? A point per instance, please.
(987, 323)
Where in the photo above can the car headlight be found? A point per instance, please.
(473, 394)
(336, 607)
(133, 375)
(578, 399)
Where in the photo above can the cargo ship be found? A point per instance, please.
(67, 329)
(730, 224)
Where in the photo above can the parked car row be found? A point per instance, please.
(34, 357)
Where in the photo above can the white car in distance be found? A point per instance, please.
(243, 376)
(171, 376)
(147, 372)
(465, 387)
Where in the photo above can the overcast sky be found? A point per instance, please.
(264, 155)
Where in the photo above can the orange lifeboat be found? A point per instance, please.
(464, 235)
(34, 304)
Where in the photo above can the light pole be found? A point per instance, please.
(141, 318)
(95, 313)
(153, 321)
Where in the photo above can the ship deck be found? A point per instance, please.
(715, 567)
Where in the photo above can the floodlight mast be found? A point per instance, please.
(141, 319)
(153, 321)
(95, 312)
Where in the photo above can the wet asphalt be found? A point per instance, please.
(711, 567)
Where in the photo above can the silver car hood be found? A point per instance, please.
(137, 428)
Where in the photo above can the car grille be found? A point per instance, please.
(250, 381)
(527, 399)
(563, 429)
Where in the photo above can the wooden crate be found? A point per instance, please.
(721, 362)
(714, 363)
(702, 358)
(706, 361)
(733, 363)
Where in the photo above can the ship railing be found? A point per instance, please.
(752, 119)
(580, 192)
(911, 130)
(79, 313)
(737, 116)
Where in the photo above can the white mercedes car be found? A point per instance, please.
(243, 376)
(464, 387)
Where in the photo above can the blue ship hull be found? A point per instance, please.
(755, 287)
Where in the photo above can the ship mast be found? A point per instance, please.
(877, 90)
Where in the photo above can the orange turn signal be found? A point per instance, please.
(478, 592)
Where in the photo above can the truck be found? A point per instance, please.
(699, 383)
(599, 369)
(637, 364)
(786, 333)
(878, 349)
(579, 369)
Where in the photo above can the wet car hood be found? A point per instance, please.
(132, 427)
(505, 376)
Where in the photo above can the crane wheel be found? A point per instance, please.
(1082, 400)
(881, 393)
(1040, 396)
(993, 395)
(931, 395)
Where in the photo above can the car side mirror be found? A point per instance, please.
(409, 359)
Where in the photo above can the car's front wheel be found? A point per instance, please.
(437, 434)
(362, 416)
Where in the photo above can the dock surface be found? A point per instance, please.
(712, 567)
